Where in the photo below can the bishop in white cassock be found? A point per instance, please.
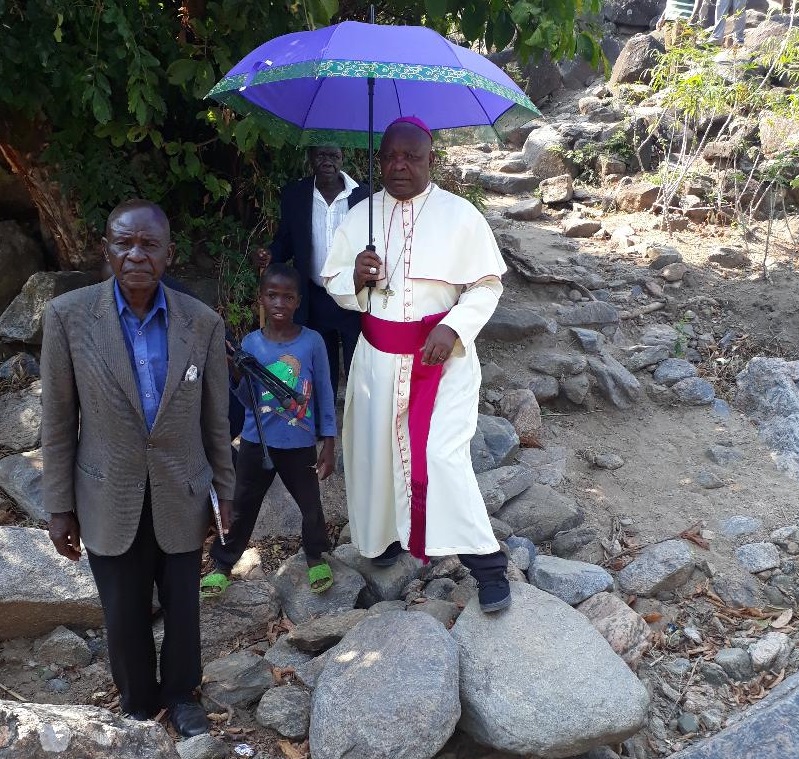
(412, 393)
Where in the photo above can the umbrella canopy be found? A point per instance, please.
(310, 87)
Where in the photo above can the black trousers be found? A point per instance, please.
(338, 327)
(125, 584)
(296, 469)
(487, 568)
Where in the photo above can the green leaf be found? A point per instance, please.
(181, 71)
(436, 8)
(204, 79)
(473, 20)
(504, 29)
(101, 107)
(193, 164)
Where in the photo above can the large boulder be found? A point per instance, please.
(22, 320)
(44, 731)
(382, 583)
(39, 589)
(632, 12)
(615, 383)
(659, 567)
(542, 77)
(21, 418)
(246, 606)
(539, 513)
(778, 134)
(544, 152)
(389, 690)
(21, 478)
(20, 258)
(495, 443)
(512, 323)
(513, 669)
(636, 60)
(768, 393)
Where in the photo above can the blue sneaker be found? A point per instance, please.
(494, 595)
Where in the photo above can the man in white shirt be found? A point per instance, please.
(310, 212)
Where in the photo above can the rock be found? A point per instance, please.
(507, 184)
(632, 12)
(688, 723)
(767, 730)
(246, 606)
(661, 256)
(521, 409)
(45, 731)
(21, 479)
(736, 663)
(511, 324)
(784, 536)
(636, 60)
(512, 673)
(525, 210)
(547, 464)
(615, 383)
(520, 557)
(493, 375)
(20, 258)
(569, 542)
(498, 486)
(317, 635)
(544, 388)
(768, 393)
(729, 258)
(64, 648)
(672, 370)
(777, 133)
(544, 151)
(557, 189)
(596, 313)
(694, 391)
(659, 567)
(771, 652)
(590, 341)
(637, 196)
(204, 746)
(627, 632)
(382, 583)
(19, 367)
(308, 674)
(516, 543)
(557, 364)
(576, 388)
(758, 557)
(512, 166)
(300, 604)
(737, 591)
(708, 480)
(576, 226)
(22, 320)
(392, 664)
(649, 356)
(439, 588)
(239, 679)
(611, 461)
(571, 581)
(286, 710)
(739, 525)
(446, 612)
(494, 444)
(674, 272)
(282, 654)
(539, 513)
(661, 334)
(723, 455)
(63, 593)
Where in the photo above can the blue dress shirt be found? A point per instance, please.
(146, 340)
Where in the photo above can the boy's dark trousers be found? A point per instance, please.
(296, 469)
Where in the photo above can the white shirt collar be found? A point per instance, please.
(349, 185)
(424, 192)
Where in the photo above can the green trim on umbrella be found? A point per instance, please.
(281, 131)
(367, 69)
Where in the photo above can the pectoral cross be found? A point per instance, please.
(386, 292)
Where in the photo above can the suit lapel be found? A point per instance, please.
(106, 333)
(180, 338)
(306, 216)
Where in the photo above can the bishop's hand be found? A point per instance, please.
(367, 269)
(439, 344)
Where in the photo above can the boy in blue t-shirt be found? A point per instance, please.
(297, 356)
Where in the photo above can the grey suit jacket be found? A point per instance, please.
(96, 448)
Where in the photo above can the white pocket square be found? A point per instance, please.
(191, 374)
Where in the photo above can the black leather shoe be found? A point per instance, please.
(188, 719)
(390, 556)
(494, 595)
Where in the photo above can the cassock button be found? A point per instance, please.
(140, 486)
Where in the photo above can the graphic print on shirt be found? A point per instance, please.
(287, 369)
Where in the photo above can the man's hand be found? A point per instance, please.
(324, 464)
(439, 344)
(367, 269)
(226, 515)
(261, 257)
(64, 531)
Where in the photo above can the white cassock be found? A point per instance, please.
(438, 254)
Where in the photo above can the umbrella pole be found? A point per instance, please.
(370, 84)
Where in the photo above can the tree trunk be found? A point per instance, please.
(55, 215)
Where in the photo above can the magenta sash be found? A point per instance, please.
(408, 338)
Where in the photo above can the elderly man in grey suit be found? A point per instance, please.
(135, 432)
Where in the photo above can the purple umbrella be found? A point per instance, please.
(344, 84)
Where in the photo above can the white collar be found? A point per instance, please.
(349, 185)
(427, 190)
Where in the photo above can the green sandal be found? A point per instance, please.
(320, 576)
(214, 585)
